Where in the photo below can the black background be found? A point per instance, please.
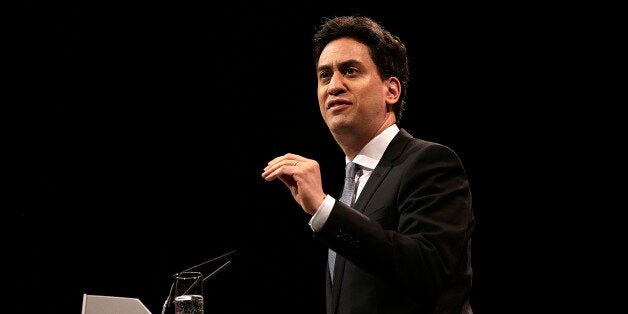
(144, 128)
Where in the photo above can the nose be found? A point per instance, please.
(336, 85)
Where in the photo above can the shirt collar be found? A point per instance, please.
(372, 153)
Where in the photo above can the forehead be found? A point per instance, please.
(342, 49)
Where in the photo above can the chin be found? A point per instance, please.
(339, 125)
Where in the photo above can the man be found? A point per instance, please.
(403, 245)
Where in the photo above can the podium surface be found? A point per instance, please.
(102, 304)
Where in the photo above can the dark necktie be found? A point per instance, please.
(347, 197)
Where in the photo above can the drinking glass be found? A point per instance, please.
(188, 293)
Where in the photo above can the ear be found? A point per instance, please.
(393, 91)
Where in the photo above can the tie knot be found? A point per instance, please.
(351, 169)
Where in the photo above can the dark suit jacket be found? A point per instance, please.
(405, 247)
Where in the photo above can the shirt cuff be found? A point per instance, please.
(320, 216)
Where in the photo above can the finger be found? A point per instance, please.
(280, 158)
(275, 161)
(282, 161)
(271, 172)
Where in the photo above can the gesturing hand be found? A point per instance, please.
(301, 175)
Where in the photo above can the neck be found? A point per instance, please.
(353, 141)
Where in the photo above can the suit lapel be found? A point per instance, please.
(393, 151)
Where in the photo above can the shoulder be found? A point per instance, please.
(417, 146)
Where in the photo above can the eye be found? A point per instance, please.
(351, 71)
(324, 76)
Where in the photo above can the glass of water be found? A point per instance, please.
(188, 293)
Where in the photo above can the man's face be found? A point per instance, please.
(352, 97)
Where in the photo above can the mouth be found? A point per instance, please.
(338, 104)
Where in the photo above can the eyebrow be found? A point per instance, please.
(343, 64)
